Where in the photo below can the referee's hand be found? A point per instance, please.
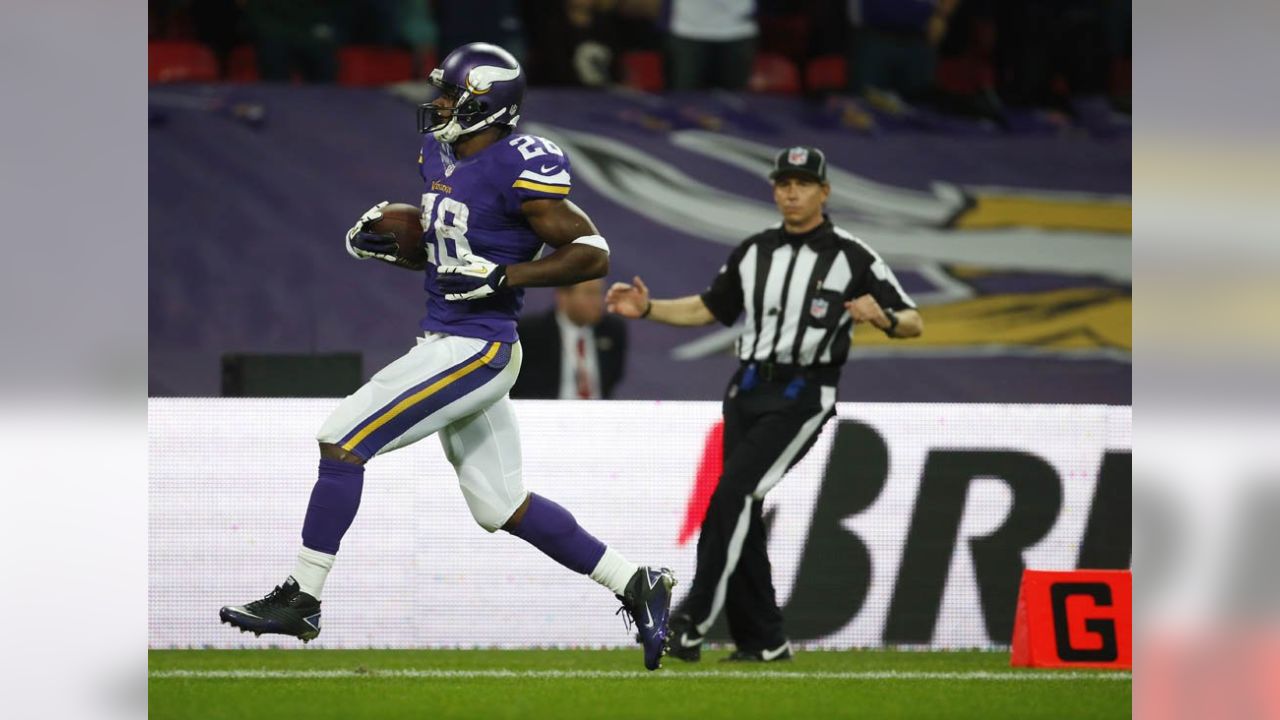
(629, 301)
(866, 309)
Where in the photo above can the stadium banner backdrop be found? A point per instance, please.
(905, 525)
(1015, 244)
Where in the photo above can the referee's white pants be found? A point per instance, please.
(454, 386)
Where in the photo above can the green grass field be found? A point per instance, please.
(612, 684)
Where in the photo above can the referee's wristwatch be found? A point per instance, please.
(893, 321)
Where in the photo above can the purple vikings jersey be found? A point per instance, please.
(472, 207)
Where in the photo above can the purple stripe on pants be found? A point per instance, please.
(420, 410)
(410, 392)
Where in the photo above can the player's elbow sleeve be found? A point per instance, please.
(596, 241)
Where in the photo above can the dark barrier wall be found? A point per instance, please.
(1015, 242)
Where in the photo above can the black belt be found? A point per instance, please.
(778, 372)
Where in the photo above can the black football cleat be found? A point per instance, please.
(284, 611)
(778, 654)
(647, 601)
(685, 643)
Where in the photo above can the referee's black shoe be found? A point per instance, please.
(284, 611)
(686, 643)
(778, 654)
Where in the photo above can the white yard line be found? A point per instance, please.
(441, 674)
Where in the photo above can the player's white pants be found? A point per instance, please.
(455, 386)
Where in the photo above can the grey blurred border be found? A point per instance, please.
(1205, 159)
(73, 194)
(1207, 348)
(73, 311)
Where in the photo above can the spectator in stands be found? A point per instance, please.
(1049, 49)
(1119, 28)
(169, 20)
(418, 30)
(893, 45)
(491, 21)
(711, 44)
(581, 42)
(827, 33)
(219, 24)
(575, 351)
(572, 42)
(396, 23)
(296, 37)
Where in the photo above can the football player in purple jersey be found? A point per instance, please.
(492, 198)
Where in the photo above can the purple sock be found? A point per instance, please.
(552, 529)
(334, 501)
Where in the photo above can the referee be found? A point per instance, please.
(803, 286)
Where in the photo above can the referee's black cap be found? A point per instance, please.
(800, 160)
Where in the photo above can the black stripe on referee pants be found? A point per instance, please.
(799, 444)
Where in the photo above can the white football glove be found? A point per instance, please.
(358, 247)
(476, 278)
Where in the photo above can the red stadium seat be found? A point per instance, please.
(369, 65)
(973, 70)
(242, 65)
(642, 70)
(825, 74)
(172, 62)
(963, 75)
(774, 74)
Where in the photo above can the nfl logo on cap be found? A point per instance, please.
(800, 160)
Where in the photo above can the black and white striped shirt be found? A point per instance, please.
(793, 289)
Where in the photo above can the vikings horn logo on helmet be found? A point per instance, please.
(482, 78)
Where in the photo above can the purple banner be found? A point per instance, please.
(1016, 246)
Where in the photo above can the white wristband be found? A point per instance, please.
(595, 241)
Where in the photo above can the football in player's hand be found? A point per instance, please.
(405, 222)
